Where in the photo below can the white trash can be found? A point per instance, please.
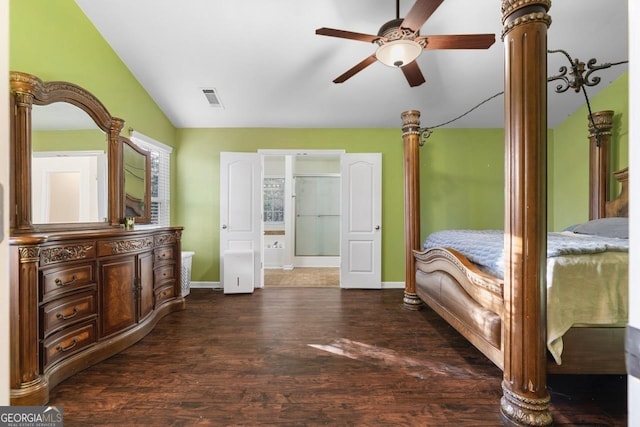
(238, 271)
(186, 272)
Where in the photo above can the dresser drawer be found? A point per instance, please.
(165, 293)
(64, 279)
(75, 251)
(164, 254)
(67, 311)
(164, 273)
(67, 342)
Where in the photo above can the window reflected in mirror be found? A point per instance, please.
(135, 163)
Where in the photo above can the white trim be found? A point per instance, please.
(218, 285)
(300, 152)
(316, 261)
(392, 285)
(206, 285)
(68, 153)
(317, 174)
(144, 138)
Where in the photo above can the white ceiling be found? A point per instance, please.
(270, 69)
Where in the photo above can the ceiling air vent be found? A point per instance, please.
(212, 97)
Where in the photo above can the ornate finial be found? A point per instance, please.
(600, 122)
(410, 121)
(525, 411)
(538, 12)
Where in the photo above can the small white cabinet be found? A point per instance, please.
(238, 271)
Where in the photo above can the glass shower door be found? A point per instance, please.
(317, 227)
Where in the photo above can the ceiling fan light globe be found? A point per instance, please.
(398, 53)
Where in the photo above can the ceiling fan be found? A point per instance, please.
(400, 43)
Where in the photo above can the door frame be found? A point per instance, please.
(289, 228)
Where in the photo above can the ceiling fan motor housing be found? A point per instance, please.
(397, 46)
(393, 31)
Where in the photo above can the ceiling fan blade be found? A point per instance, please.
(461, 41)
(356, 69)
(413, 74)
(419, 13)
(346, 34)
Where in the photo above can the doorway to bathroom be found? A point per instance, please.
(301, 218)
(242, 213)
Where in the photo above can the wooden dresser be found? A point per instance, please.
(82, 286)
(81, 297)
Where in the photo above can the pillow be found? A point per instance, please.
(606, 227)
(571, 227)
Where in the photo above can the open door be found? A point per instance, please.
(241, 219)
(361, 240)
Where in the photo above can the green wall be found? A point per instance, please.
(69, 140)
(198, 187)
(54, 40)
(569, 154)
(462, 180)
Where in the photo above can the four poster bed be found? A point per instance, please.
(460, 275)
(506, 319)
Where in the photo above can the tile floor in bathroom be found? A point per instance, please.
(316, 277)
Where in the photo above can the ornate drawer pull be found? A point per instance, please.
(61, 316)
(61, 283)
(59, 347)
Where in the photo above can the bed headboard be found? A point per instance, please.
(620, 205)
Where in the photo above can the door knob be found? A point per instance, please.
(224, 226)
(377, 227)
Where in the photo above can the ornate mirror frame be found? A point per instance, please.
(27, 90)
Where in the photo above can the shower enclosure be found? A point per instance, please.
(301, 210)
(317, 207)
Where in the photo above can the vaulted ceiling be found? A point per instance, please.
(269, 69)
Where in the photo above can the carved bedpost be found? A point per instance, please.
(411, 139)
(599, 141)
(525, 400)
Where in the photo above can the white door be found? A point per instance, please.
(361, 236)
(68, 187)
(240, 209)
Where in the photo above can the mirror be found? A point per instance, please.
(136, 166)
(68, 166)
(68, 160)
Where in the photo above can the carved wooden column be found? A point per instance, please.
(599, 141)
(116, 180)
(22, 102)
(525, 398)
(411, 139)
(28, 386)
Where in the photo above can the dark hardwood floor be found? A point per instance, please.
(308, 357)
